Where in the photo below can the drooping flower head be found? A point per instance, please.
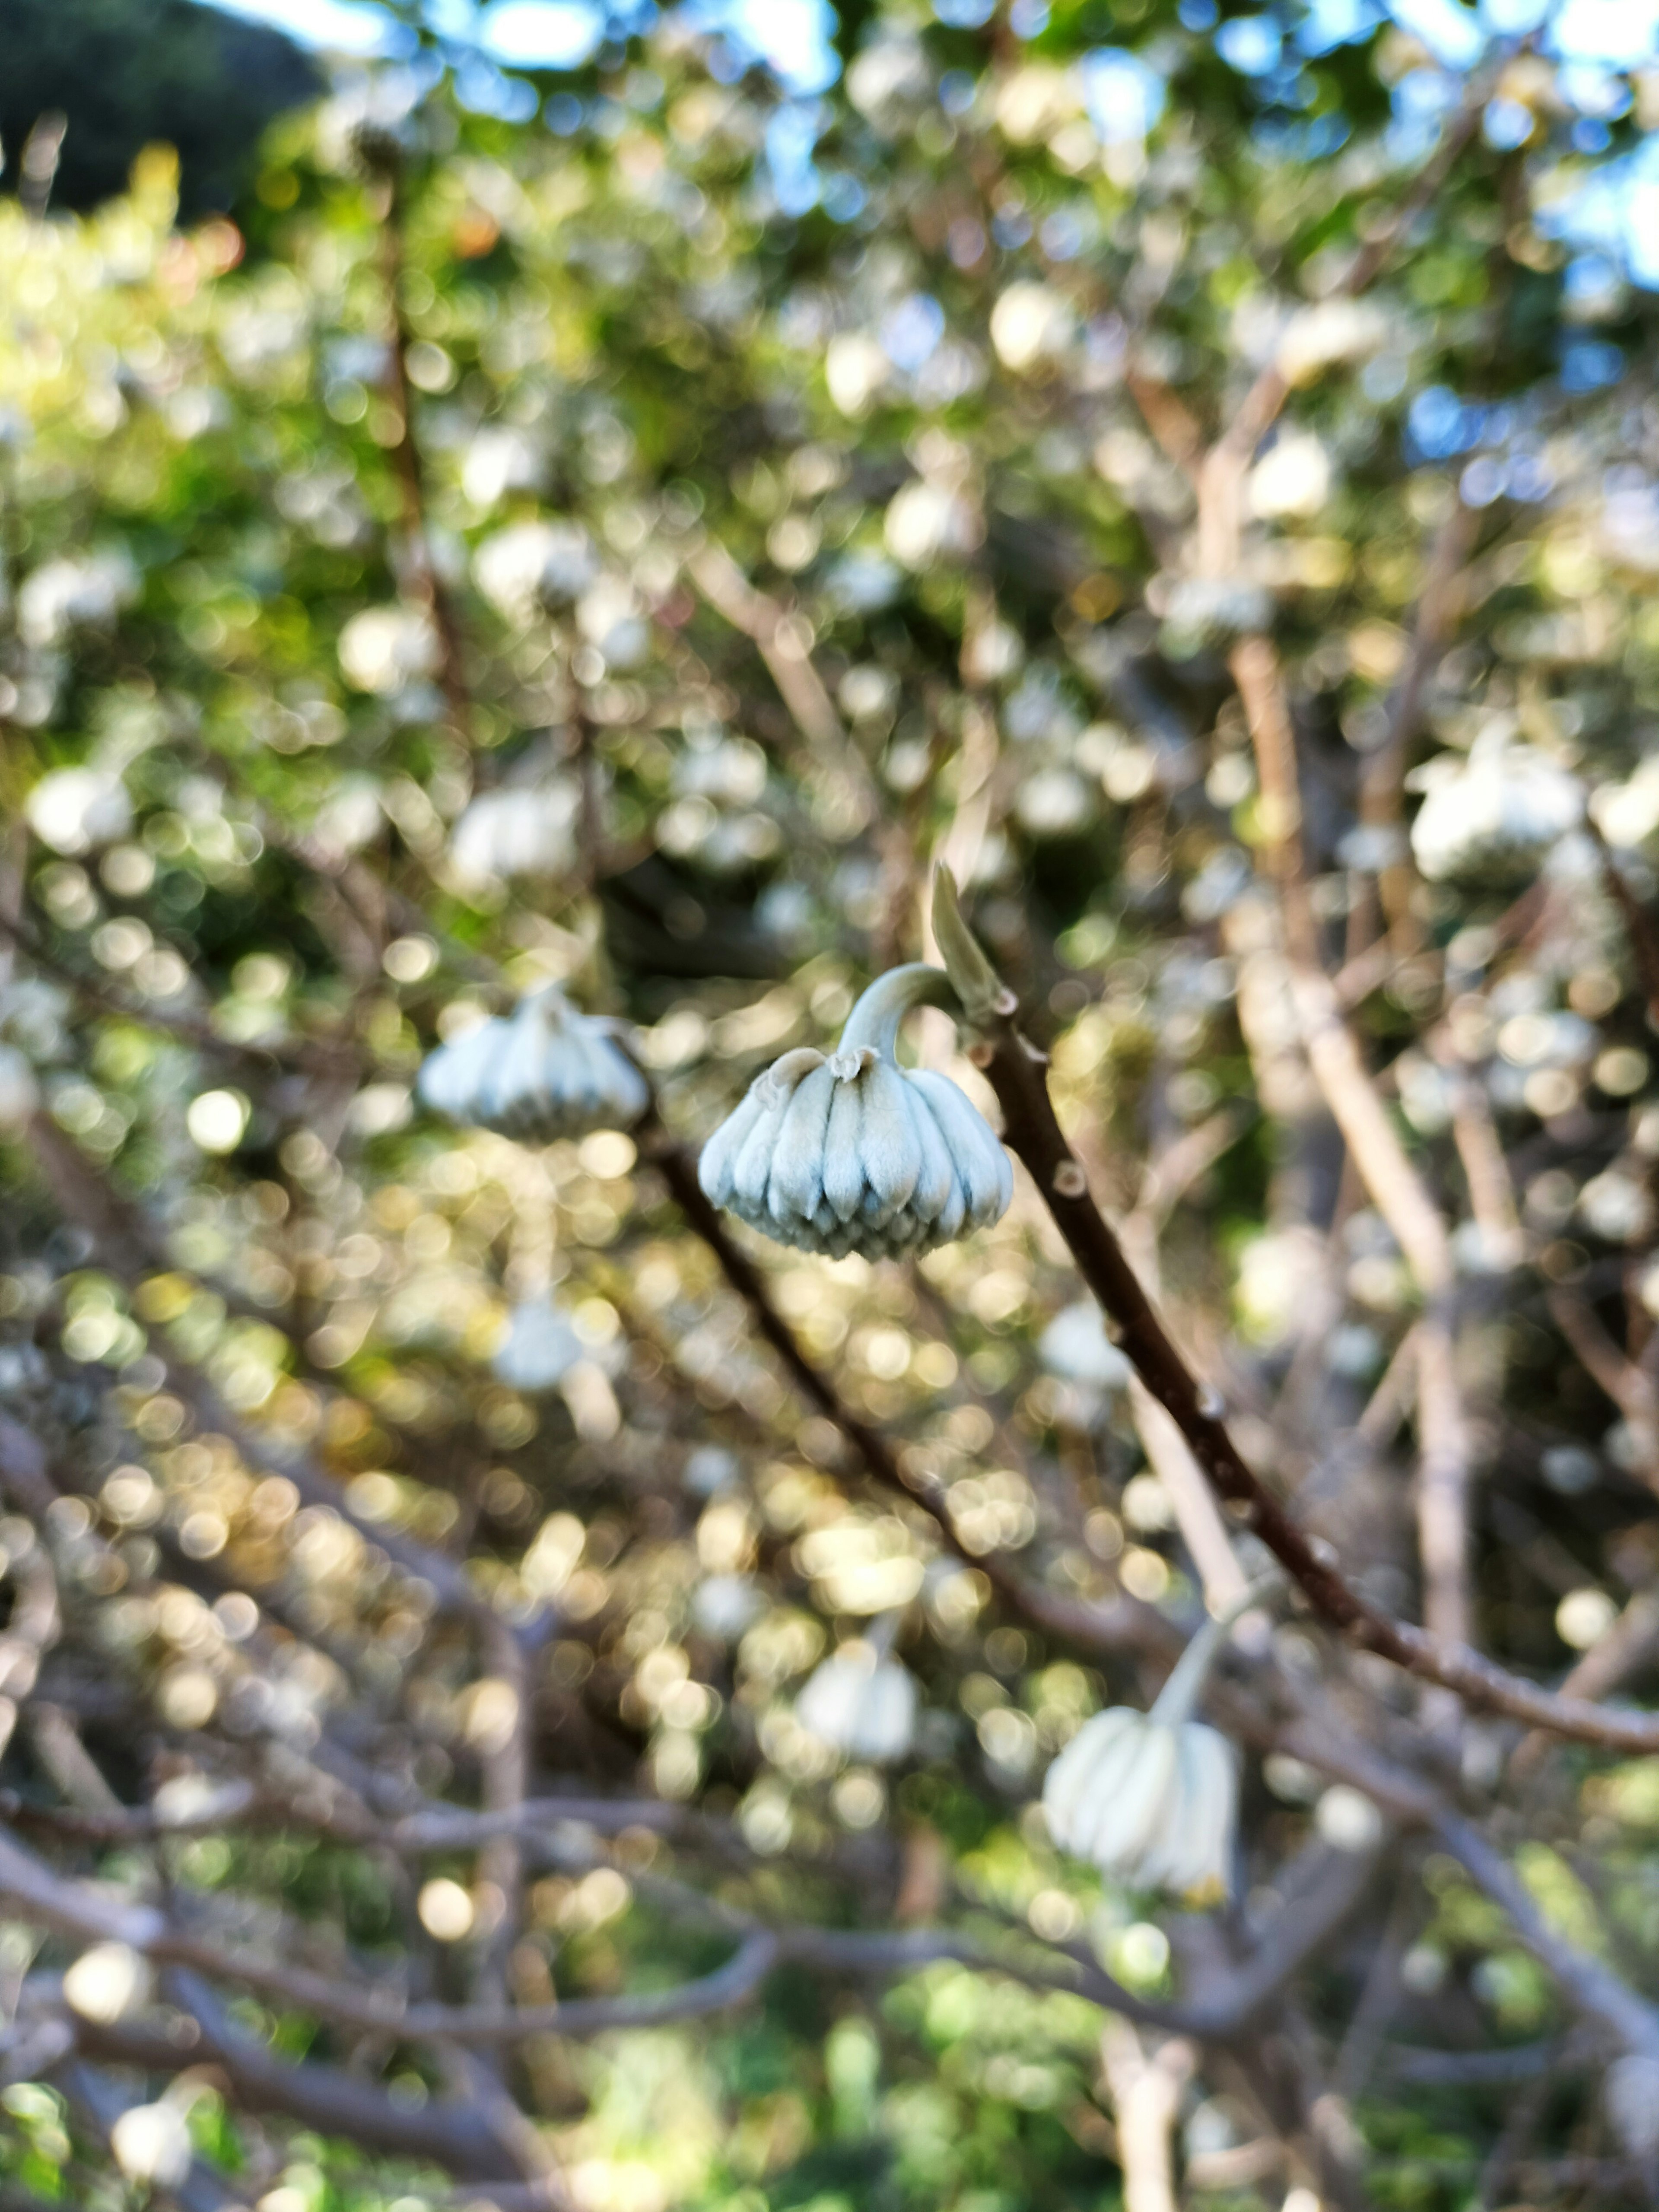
(855, 1153)
(1151, 1804)
(545, 1072)
(1153, 1798)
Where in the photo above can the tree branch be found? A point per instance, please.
(1032, 1133)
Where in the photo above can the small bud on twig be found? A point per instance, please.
(985, 997)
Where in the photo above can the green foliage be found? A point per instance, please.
(585, 552)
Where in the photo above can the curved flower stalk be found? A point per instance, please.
(855, 1153)
(1153, 1798)
(545, 1072)
(861, 1703)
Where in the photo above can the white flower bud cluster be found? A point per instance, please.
(1153, 1798)
(545, 1072)
(854, 1153)
(1152, 1805)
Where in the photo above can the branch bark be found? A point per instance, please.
(1034, 1135)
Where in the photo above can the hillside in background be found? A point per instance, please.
(129, 72)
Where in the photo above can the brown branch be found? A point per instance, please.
(1628, 1645)
(1629, 1384)
(1485, 1171)
(1255, 672)
(428, 585)
(1396, 1189)
(1593, 1988)
(1376, 1150)
(1123, 1624)
(33, 1892)
(452, 2135)
(1169, 418)
(1443, 1484)
(1033, 1133)
(770, 627)
(1257, 412)
(1638, 928)
(1147, 2093)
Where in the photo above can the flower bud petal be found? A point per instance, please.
(1129, 1802)
(843, 1169)
(796, 1189)
(456, 1074)
(890, 1149)
(1201, 1834)
(1069, 1777)
(751, 1170)
(983, 1166)
(936, 1184)
(720, 1154)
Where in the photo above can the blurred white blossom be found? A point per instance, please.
(499, 460)
(512, 832)
(1293, 479)
(85, 592)
(107, 1982)
(1031, 324)
(384, 649)
(610, 618)
(545, 1072)
(861, 1703)
(530, 566)
(856, 371)
(1495, 814)
(926, 522)
(151, 2143)
(539, 1349)
(76, 810)
(1329, 332)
